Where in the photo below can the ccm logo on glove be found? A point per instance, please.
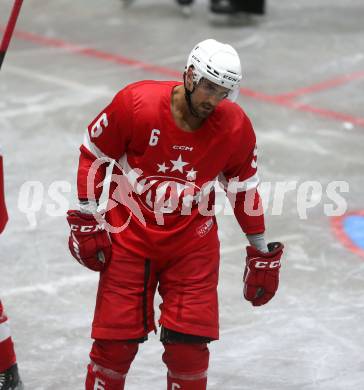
(261, 275)
(88, 242)
(266, 264)
(86, 229)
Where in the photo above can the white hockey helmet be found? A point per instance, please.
(217, 62)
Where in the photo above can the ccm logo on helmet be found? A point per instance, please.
(230, 78)
(195, 58)
(86, 229)
(267, 264)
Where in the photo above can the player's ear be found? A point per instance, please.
(189, 78)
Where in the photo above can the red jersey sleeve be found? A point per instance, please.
(110, 132)
(240, 179)
(107, 137)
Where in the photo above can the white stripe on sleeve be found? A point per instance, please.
(91, 147)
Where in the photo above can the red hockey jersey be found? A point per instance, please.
(162, 185)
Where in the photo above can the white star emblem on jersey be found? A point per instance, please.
(178, 164)
(191, 174)
(162, 167)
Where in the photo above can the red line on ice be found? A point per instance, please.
(284, 100)
(323, 85)
(94, 53)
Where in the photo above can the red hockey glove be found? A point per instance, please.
(89, 243)
(261, 275)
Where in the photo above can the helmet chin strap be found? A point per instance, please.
(188, 95)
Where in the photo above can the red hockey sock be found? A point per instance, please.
(187, 366)
(189, 383)
(110, 362)
(99, 378)
(7, 353)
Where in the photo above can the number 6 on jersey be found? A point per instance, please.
(154, 137)
(99, 126)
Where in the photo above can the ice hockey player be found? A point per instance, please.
(9, 376)
(170, 141)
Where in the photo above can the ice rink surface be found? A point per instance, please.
(303, 89)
